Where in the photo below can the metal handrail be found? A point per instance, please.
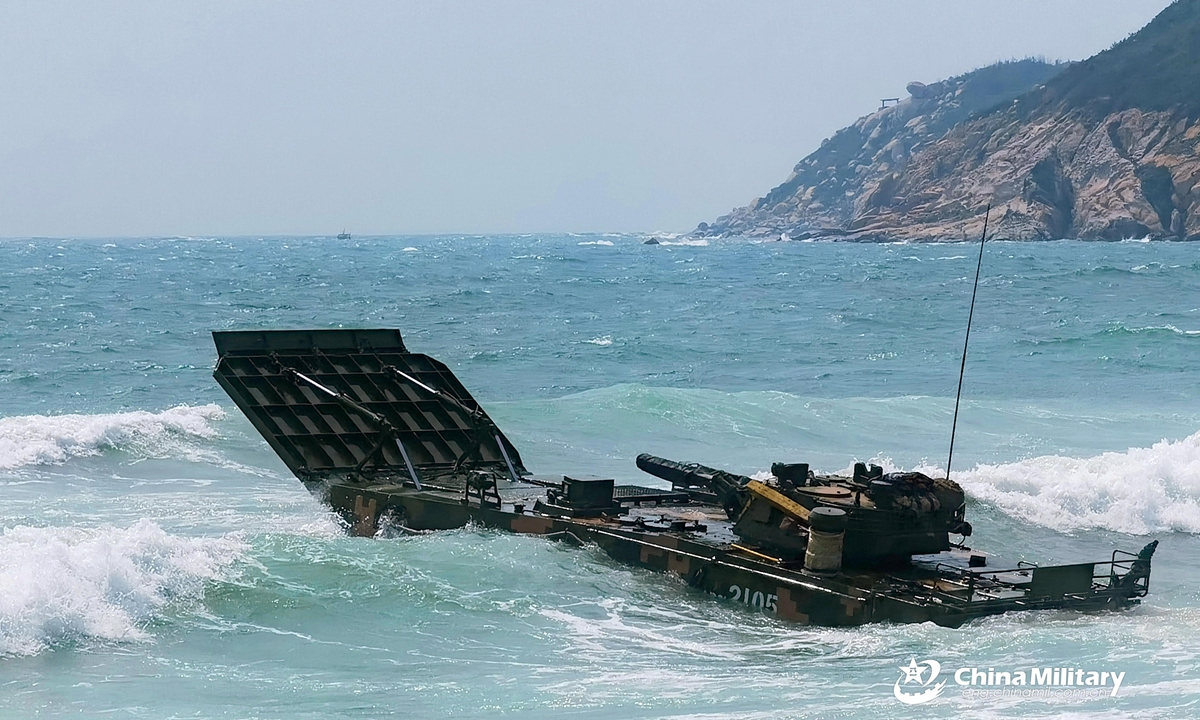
(975, 582)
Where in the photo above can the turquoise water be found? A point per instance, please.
(158, 561)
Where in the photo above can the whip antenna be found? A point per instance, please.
(966, 341)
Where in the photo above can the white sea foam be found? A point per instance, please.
(49, 439)
(411, 249)
(594, 633)
(1140, 491)
(70, 584)
(601, 341)
(700, 242)
(606, 243)
(1158, 328)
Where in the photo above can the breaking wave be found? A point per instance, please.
(1155, 328)
(1140, 491)
(62, 585)
(1155, 488)
(49, 439)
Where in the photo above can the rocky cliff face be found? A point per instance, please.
(1104, 149)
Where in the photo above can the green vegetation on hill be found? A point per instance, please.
(999, 83)
(1156, 68)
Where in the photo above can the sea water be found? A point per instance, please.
(157, 560)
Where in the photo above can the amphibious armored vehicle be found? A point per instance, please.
(391, 439)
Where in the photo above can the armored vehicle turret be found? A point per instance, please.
(889, 517)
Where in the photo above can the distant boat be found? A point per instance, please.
(343, 235)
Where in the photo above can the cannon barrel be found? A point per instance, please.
(728, 487)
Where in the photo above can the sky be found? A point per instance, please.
(394, 117)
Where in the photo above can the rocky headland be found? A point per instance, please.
(1107, 148)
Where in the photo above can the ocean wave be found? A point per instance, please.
(700, 242)
(50, 439)
(1171, 329)
(1117, 330)
(1155, 488)
(605, 243)
(62, 585)
(1140, 491)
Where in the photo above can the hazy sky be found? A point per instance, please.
(204, 118)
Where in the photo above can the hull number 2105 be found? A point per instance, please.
(756, 598)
